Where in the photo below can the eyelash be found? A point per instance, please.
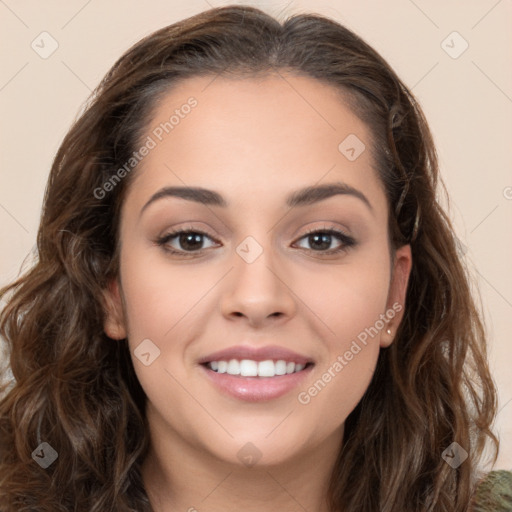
(347, 241)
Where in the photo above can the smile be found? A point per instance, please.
(256, 381)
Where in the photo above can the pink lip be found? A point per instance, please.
(256, 354)
(256, 389)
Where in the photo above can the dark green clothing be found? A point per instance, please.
(494, 493)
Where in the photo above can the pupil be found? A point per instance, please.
(187, 240)
(324, 240)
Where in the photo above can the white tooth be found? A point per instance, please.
(233, 367)
(248, 368)
(266, 368)
(280, 367)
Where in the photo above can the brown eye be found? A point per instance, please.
(188, 241)
(320, 240)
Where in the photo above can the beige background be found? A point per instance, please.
(467, 100)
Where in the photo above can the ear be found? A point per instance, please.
(395, 307)
(114, 324)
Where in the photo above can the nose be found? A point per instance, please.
(258, 293)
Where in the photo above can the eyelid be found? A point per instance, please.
(172, 233)
(326, 227)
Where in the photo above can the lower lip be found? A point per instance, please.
(256, 389)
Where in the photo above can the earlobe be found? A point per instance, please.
(114, 323)
(397, 293)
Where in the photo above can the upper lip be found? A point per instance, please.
(240, 352)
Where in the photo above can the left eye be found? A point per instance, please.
(323, 238)
(320, 240)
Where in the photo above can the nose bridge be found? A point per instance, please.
(258, 287)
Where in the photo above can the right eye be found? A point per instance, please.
(189, 240)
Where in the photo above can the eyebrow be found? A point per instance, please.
(302, 197)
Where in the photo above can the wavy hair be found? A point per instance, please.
(76, 389)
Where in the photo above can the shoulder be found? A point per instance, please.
(494, 493)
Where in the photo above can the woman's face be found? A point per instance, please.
(246, 278)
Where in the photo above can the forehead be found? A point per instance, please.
(270, 133)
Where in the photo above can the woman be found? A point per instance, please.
(247, 294)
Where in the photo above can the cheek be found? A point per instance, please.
(338, 388)
(163, 305)
(157, 295)
(350, 302)
(159, 308)
(351, 328)
(346, 298)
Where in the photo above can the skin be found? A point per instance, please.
(254, 141)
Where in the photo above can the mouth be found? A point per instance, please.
(252, 380)
(255, 374)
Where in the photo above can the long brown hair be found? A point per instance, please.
(76, 389)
